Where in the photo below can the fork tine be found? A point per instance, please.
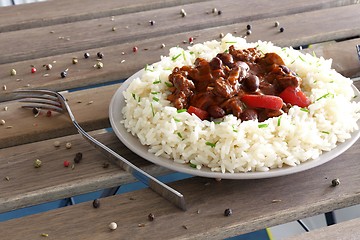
(34, 91)
(40, 100)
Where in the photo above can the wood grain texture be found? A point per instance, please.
(348, 230)
(97, 33)
(255, 204)
(53, 12)
(28, 186)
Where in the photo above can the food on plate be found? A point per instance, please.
(233, 106)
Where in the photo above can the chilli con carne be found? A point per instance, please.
(246, 83)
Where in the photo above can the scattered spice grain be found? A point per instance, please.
(78, 157)
(112, 225)
(135, 49)
(6, 108)
(66, 163)
(276, 24)
(63, 74)
(228, 212)
(48, 113)
(183, 13)
(221, 35)
(74, 60)
(282, 29)
(33, 70)
(48, 66)
(37, 163)
(219, 12)
(248, 27)
(100, 55)
(248, 32)
(113, 29)
(7, 178)
(335, 182)
(68, 145)
(162, 45)
(86, 55)
(44, 234)
(99, 65)
(214, 10)
(151, 217)
(2, 122)
(105, 165)
(96, 203)
(57, 144)
(13, 72)
(185, 227)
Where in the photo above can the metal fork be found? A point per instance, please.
(54, 101)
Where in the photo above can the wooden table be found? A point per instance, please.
(54, 32)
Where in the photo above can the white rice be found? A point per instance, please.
(235, 146)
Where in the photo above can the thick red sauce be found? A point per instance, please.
(223, 85)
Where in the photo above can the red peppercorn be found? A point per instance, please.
(135, 49)
(48, 113)
(191, 40)
(33, 70)
(66, 163)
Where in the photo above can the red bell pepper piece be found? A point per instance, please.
(202, 114)
(262, 101)
(294, 96)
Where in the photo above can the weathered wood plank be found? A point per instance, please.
(311, 194)
(348, 230)
(52, 12)
(27, 185)
(22, 127)
(96, 33)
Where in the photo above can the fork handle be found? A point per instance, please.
(159, 187)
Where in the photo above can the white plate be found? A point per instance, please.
(118, 102)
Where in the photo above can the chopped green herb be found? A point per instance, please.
(325, 96)
(152, 109)
(134, 96)
(325, 132)
(155, 93)
(147, 68)
(176, 57)
(301, 58)
(211, 144)
(177, 120)
(181, 110)
(292, 62)
(355, 96)
(226, 51)
(314, 54)
(192, 165)
(304, 110)
(168, 84)
(157, 82)
(234, 130)
(191, 52)
(263, 125)
(217, 122)
(279, 121)
(139, 99)
(283, 49)
(179, 134)
(184, 56)
(230, 42)
(155, 99)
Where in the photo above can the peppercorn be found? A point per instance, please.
(48, 66)
(78, 157)
(13, 72)
(2, 122)
(248, 32)
(113, 225)
(227, 212)
(63, 74)
(282, 29)
(37, 163)
(219, 12)
(152, 23)
(183, 13)
(48, 113)
(86, 55)
(57, 144)
(151, 217)
(276, 24)
(35, 111)
(105, 165)
(135, 49)
(74, 60)
(335, 182)
(96, 203)
(100, 55)
(214, 10)
(33, 70)
(248, 27)
(99, 65)
(191, 40)
(66, 163)
(68, 145)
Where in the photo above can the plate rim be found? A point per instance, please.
(128, 140)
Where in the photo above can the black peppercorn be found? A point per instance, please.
(35, 111)
(219, 12)
(96, 203)
(282, 29)
(335, 182)
(78, 157)
(63, 74)
(248, 27)
(86, 55)
(100, 55)
(248, 32)
(227, 212)
(151, 217)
